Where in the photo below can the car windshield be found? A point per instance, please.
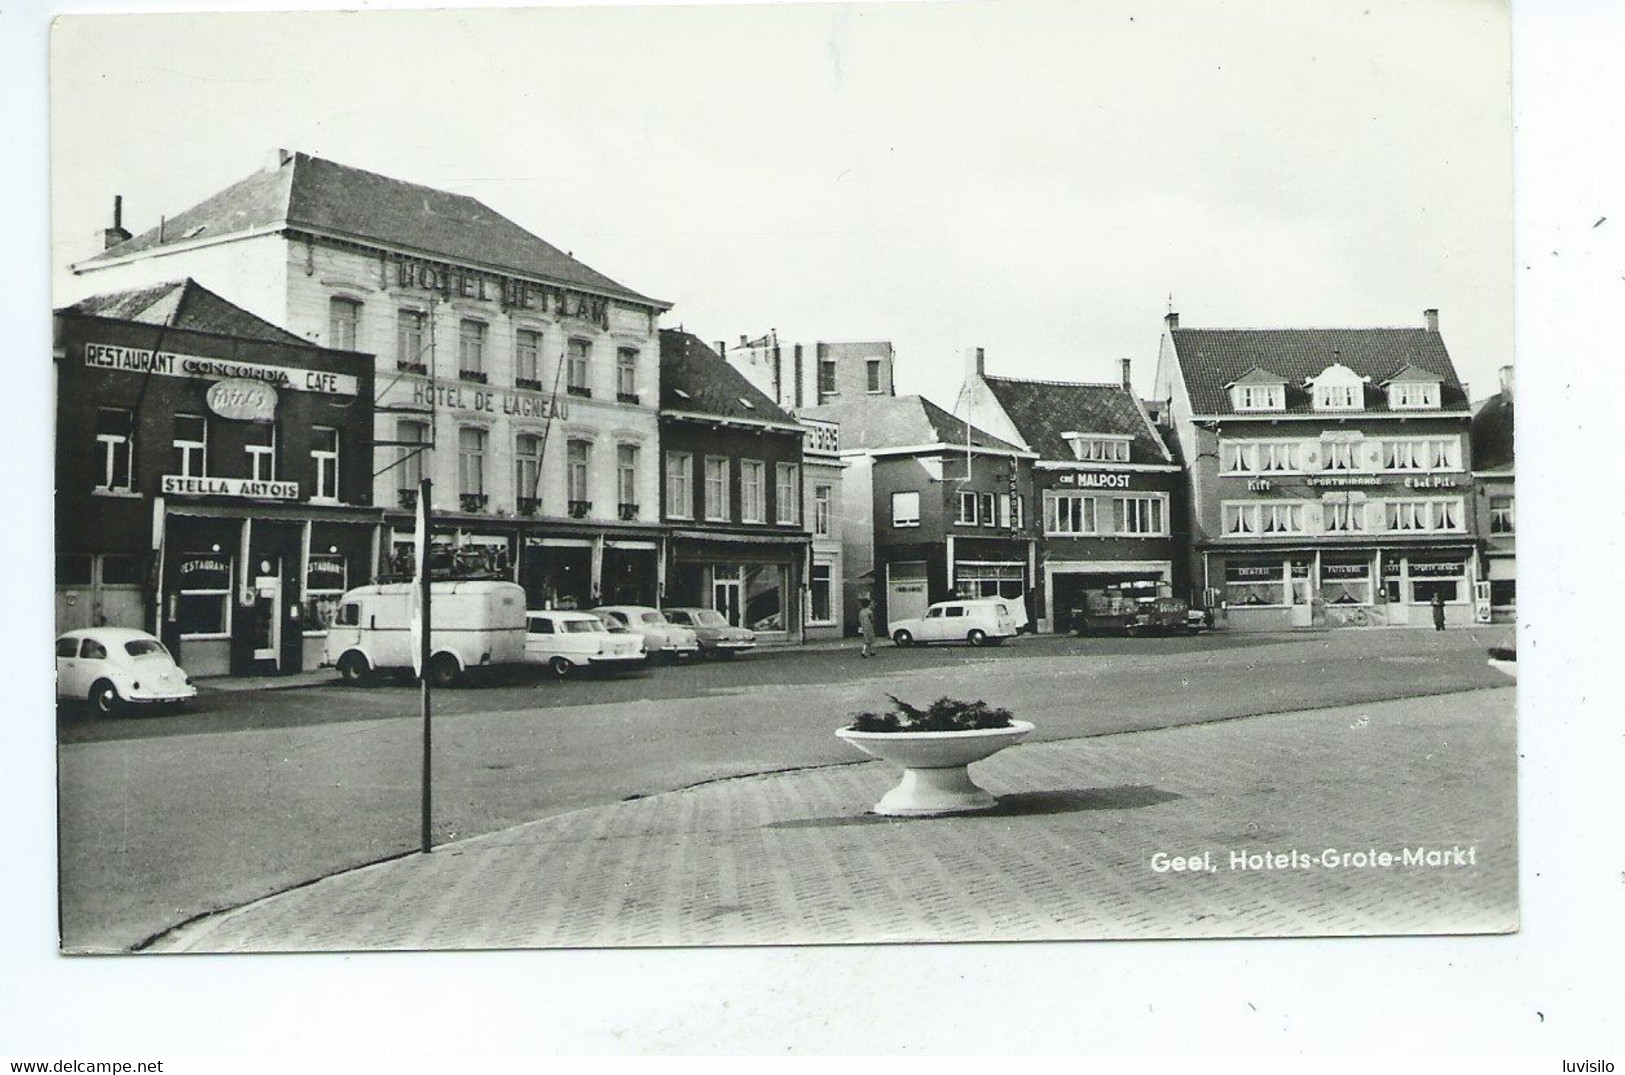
(584, 627)
(652, 617)
(707, 617)
(145, 647)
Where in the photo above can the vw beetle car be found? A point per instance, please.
(113, 668)
(717, 637)
(660, 639)
(566, 641)
(978, 621)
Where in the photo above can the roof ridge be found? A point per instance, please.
(1305, 328)
(1046, 380)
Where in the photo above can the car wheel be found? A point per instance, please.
(105, 700)
(353, 668)
(903, 638)
(977, 638)
(443, 670)
(561, 666)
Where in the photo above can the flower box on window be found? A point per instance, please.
(579, 390)
(579, 508)
(411, 367)
(473, 501)
(626, 397)
(527, 382)
(408, 498)
(529, 505)
(473, 376)
(627, 512)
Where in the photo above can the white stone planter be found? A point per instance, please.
(936, 778)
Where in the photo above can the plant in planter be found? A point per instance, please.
(935, 747)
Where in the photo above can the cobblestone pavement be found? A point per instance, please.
(794, 858)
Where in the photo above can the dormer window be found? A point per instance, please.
(1338, 388)
(1099, 447)
(1258, 390)
(1413, 396)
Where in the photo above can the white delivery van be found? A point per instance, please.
(474, 624)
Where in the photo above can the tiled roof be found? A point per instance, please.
(1209, 359)
(321, 195)
(898, 422)
(184, 304)
(1492, 433)
(1043, 410)
(695, 378)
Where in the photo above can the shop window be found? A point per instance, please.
(716, 488)
(1502, 517)
(787, 494)
(471, 468)
(527, 455)
(823, 509)
(326, 578)
(577, 360)
(967, 510)
(1070, 513)
(1144, 517)
(626, 375)
(115, 449)
(414, 442)
(821, 610)
(752, 491)
(324, 453)
(343, 323)
(191, 445)
(471, 351)
(203, 601)
(905, 509)
(764, 597)
(1503, 593)
(679, 485)
(577, 459)
(261, 449)
(1423, 590)
(1345, 582)
(626, 482)
(1255, 584)
(410, 353)
(527, 352)
(989, 509)
(872, 381)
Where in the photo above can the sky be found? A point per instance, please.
(1033, 178)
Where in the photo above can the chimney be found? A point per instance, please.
(1128, 383)
(1432, 319)
(1171, 320)
(115, 235)
(744, 342)
(721, 348)
(976, 359)
(1506, 383)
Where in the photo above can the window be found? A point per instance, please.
(626, 375)
(1343, 516)
(1434, 453)
(905, 509)
(1018, 508)
(326, 579)
(471, 351)
(1255, 457)
(1337, 455)
(67, 647)
(409, 342)
(1502, 519)
(819, 587)
(191, 445)
(954, 611)
(1070, 513)
(1413, 395)
(752, 491)
(716, 487)
(872, 383)
(343, 319)
(471, 467)
(967, 510)
(527, 352)
(787, 494)
(990, 511)
(679, 485)
(261, 449)
(527, 472)
(577, 459)
(575, 368)
(1004, 510)
(1259, 397)
(1255, 582)
(203, 603)
(1263, 518)
(409, 470)
(1338, 397)
(1424, 515)
(626, 480)
(1099, 449)
(324, 453)
(1139, 515)
(822, 508)
(826, 376)
(115, 449)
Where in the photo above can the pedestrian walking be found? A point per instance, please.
(866, 625)
(1438, 611)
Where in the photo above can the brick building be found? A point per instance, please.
(1495, 498)
(798, 375)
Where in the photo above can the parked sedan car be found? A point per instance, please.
(978, 622)
(717, 637)
(115, 667)
(660, 639)
(566, 641)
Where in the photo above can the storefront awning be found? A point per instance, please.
(743, 539)
(293, 513)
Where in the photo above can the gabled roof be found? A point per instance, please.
(183, 304)
(900, 422)
(1211, 359)
(696, 380)
(1492, 433)
(1411, 374)
(1045, 410)
(1258, 375)
(325, 197)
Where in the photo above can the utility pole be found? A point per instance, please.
(424, 651)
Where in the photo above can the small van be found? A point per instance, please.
(979, 621)
(473, 624)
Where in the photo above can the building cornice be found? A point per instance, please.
(1079, 464)
(724, 420)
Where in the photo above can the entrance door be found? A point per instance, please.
(1399, 609)
(727, 594)
(907, 597)
(1303, 613)
(267, 618)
